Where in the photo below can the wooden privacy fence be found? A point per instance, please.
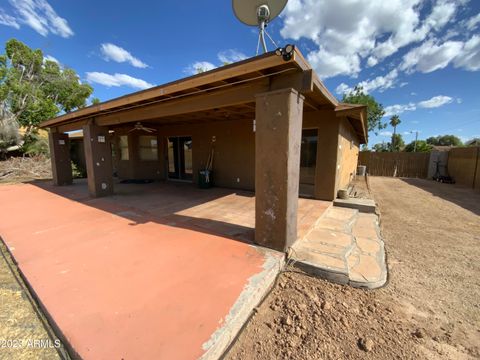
(464, 166)
(406, 164)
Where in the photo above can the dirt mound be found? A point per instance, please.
(308, 318)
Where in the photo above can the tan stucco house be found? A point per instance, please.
(269, 122)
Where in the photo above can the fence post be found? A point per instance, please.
(476, 168)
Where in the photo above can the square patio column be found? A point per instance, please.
(98, 159)
(277, 166)
(60, 157)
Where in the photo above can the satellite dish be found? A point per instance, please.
(258, 13)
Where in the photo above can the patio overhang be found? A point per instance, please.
(275, 92)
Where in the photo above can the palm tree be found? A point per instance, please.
(394, 121)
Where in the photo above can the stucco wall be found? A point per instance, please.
(234, 159)
(325, 171)
(348, 149)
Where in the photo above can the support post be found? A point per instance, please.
(60, 157)
(98, 159)
(278, 134)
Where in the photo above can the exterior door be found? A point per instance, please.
(308, 161)
(180, 158)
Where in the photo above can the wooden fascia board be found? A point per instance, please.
(300, 60)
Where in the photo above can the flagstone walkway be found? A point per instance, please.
(344, 246)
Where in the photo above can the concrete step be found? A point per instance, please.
(362, 205)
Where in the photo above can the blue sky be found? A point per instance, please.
(419, 58)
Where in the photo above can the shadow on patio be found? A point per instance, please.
(217, 211)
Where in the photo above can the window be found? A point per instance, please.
(148, 149)
(123, 144)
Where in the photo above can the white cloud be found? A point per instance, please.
(120, 55)
(343, 89)
(399, 108)
(225, 56)
(386, 133)
(328, 64)
(348, 33)
(412, 132)
(117, 80)
(8, 20)
(231, 56)
(431, 56)
(473, 22)
(198, 67)
(380, 83)
(51, 58)
(40, 16)
(469, 58)
(372, 61)
(435, 102)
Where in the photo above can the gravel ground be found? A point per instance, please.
(429, 309)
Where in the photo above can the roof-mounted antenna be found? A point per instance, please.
(258, 13)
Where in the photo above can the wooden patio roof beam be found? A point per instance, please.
(216, 99)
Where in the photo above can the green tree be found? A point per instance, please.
(444, 140)
(381, 147)
(95, 101)
(375, 110)
(394, 122)
(422, 146)
(33, 89)
(397, 143)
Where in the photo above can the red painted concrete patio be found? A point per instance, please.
(152, 272)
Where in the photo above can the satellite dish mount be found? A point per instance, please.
(259, 13)
(263, 15)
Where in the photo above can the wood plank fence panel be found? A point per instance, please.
(463, 166)
(384, 164)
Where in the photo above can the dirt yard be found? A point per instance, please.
(430, 309)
